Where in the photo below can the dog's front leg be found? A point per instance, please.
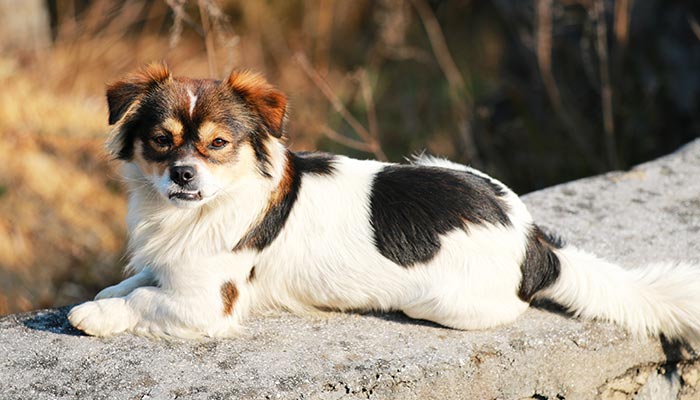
(144, 277)
(210, 297)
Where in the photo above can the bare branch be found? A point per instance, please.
(622, 21)
(339, 107)
(543, 53)
(177, 6)
(331, 96)
(208, 37)
(457, 87)
(606, 86)
(437, 42)
(346, 141)
(178, 16)
(544, 49)
(368, 98)
(694, 26)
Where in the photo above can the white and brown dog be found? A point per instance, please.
(223, 219)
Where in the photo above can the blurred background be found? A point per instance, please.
(534, 92)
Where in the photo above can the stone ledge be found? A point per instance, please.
(650, 213)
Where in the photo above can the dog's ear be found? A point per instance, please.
(265, 99)
(122, 94)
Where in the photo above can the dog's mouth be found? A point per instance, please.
(186, 196)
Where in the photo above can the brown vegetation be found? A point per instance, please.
(535, 92)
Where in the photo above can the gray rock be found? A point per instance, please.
(650, 213)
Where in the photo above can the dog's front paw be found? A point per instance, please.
(113, 291)
(104, 317)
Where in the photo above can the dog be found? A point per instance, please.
(223, 220)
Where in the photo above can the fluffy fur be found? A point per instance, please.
(255, 226)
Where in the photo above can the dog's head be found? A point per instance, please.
(194, 138)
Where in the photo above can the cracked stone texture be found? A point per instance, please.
(650, 213)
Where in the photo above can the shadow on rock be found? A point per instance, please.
(402, 318)
(550, 306)
(55, 321)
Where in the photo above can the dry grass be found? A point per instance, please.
(60, 206)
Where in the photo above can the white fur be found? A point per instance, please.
(324, 257)
(656, 299)
(193, 100)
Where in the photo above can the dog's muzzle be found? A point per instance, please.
(184, 176)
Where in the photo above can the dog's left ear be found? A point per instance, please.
(265, 99)
(122, 94)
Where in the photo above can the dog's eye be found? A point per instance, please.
(162, 140)
(218, 143)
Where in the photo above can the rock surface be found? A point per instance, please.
(650, 213)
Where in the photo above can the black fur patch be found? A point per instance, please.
(315, 162)
(412, 205)
(157, 104)
(251, 275)
(541, 267)
(262, 157)
(263, 234)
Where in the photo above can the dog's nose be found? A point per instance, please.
(182, 174)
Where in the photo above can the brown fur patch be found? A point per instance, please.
(157, 71)
(256, 233)
(174, 127)
(122, 94)
(229, 295)
(269, 102)
(285, 185)
(209, 131)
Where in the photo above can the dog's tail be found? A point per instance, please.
(656, 299)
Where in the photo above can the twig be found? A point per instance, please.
(346, 141)
(543, 53)
(544, 49)
(437, 42)
(622, 21)
(694, 26)
(178, 16)
(330, 95)
(339, 107)
(606, 87)
(208, 37)
(457, 87)
(368, 98)
(177, 6)
(324, 25)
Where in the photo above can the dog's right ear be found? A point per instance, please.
(265, 99)
(121, 95)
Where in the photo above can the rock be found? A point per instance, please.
(648, 214)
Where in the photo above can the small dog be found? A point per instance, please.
(224, 219)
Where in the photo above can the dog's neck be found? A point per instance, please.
(162, 235)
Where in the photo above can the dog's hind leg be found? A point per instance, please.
(468, 315)
(477, 292)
